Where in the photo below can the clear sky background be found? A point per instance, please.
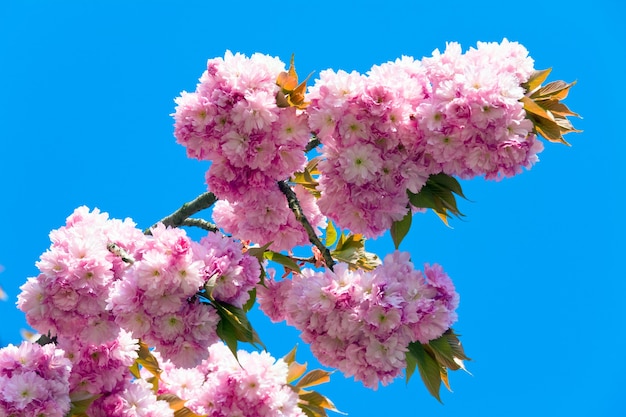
(86, 89)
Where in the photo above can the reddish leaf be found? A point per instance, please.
(295, 371)
(536, 79)
(313, 378)
(556, 107)
(556, 90)
(531, 107)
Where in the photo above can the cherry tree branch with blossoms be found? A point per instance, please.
(148, 323)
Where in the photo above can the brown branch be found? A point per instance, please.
(179, 217)
(294, 205)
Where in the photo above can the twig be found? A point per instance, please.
(201, 223)
(203, 201)
(313, 143)
(294, 205)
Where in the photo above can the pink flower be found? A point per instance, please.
(131, 399)
(263, 216)
(230, 273)
(98, 368)
(34, 380)
(272, 296)
(362, 322)
(76, 274)
(232, 119)
(255, 385)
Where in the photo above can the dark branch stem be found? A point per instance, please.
(179, 217)
(201, 223)
(294, 205)
(309, 260)
(313, 143)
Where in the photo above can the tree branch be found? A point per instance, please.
(313, 143)
(294, 205)
(178, 218)
(201, 223)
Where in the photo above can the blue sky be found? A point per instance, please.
(86, 89)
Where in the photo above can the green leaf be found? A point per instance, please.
(351, 250)
(285, 261)
(80, 402)
(227, 334)
(438, 194)
(457, 348)
(429, 369)
(447, 182)
(259, 252)
(411, 363)
(234, 326)
(134, 370)
(250, 303)
(424, 199)
(448, 351)
(556, 90)
(331, 234)
(400, 228)
(305, 179)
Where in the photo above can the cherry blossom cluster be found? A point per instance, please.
(473, 122)
(34, 381)
(99, 368)
(362, 322)
(68, 297)
(385, 132)
(101, 275)
(370, 157)
(264, 216)
(253, 385)
(101, 371)
(155, 300)
(133, 399)
(232, 274)
(232, 119)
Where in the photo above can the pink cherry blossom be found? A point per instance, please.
(34, 381)
(362, 322)
(68, 297)
(254, 384)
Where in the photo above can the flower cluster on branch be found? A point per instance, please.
(132, 322)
